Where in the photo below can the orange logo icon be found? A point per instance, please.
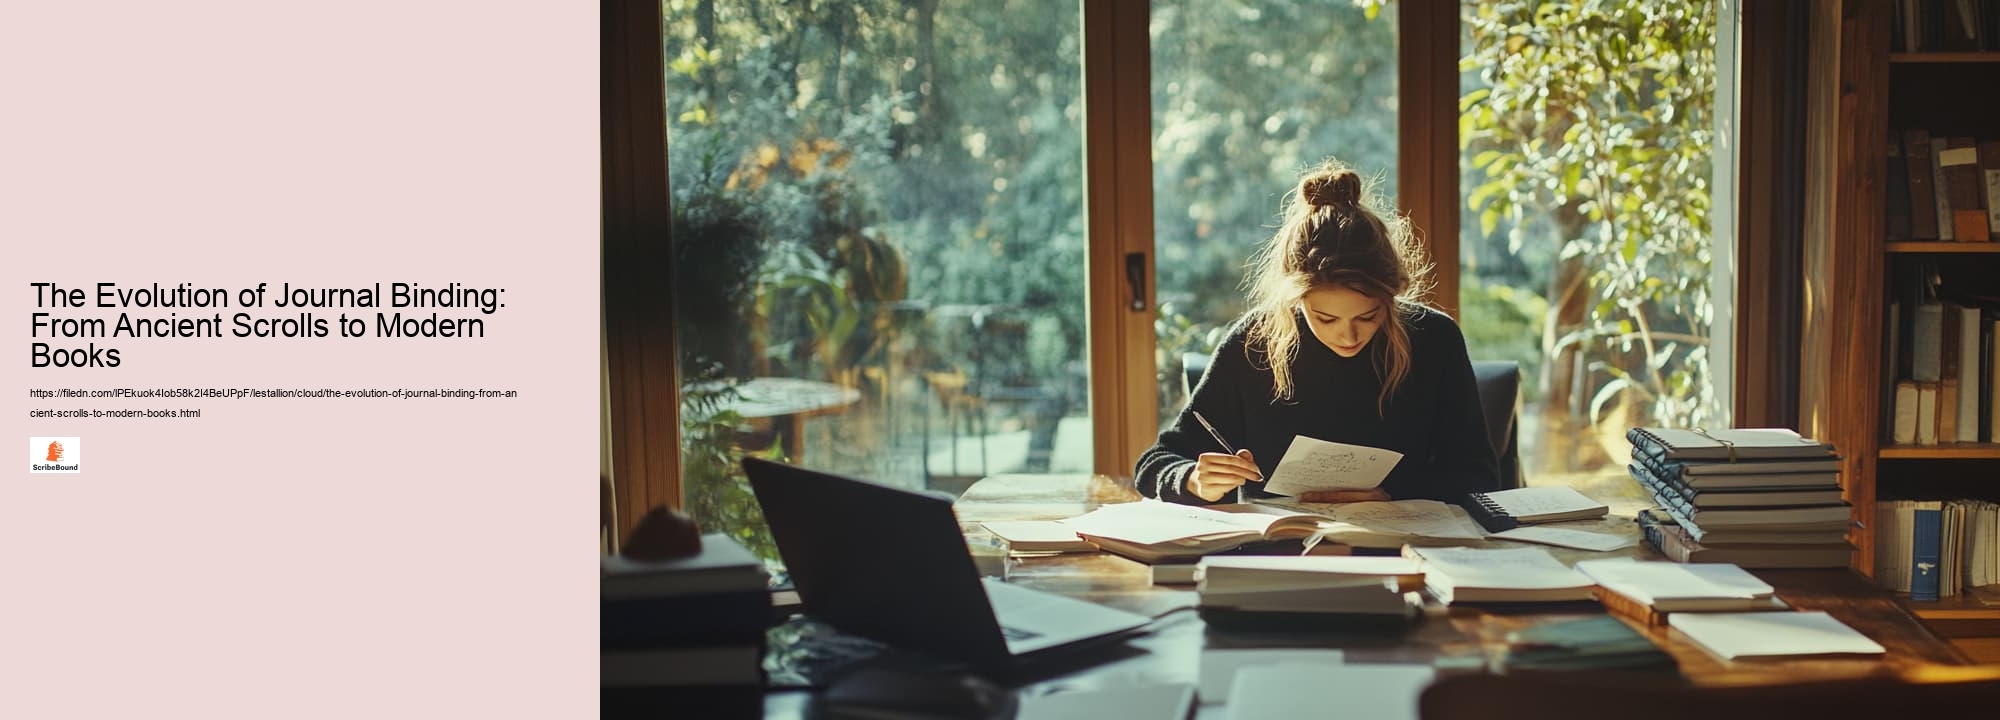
(55, 451)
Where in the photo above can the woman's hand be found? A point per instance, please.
(1344, 496)
(1215, 474)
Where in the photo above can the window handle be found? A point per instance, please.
(1135, 274)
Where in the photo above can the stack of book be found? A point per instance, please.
(1293, 592)
(1935, 549)
(1759, 498)
(684, 633)
(1649, 591)
(1502, 575)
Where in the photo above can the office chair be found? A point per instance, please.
(1500, 400)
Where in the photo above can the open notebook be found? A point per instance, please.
(1153, 531)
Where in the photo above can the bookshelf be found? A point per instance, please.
(1944, 57)
(1940, 248)
(1961, 451)
(1860, 95)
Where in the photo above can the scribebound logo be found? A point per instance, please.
(55, 454)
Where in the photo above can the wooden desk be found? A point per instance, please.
(1454, 640)
(1454, 637)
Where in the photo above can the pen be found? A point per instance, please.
(1212, 433)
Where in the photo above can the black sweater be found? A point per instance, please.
(1433, 419)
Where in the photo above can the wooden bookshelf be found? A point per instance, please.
(1962, 606)
(1861, 96)
(1959, 451)
(1943, 247)
(1944, 57)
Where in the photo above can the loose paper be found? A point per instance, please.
(1772, 634)
(1218, 667)
(1564, 537)
(1312, 464)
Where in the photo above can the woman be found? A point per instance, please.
(1336, 347)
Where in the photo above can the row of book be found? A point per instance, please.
(1942, 188)
(1935, 549)
(1763, 498)
(684, 634)
(1945, 380)
(1945, 26)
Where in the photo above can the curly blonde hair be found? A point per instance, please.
(1330, 238)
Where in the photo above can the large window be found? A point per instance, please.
(878, 216)
(878, 223)
(1246, 94)
(1588, 145)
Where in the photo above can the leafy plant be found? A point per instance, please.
(1593, 121)
(718, 495)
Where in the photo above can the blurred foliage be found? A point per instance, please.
(1589, 130)
(831, 160)
(1504, 322)
(718, 495)
(1246, 94)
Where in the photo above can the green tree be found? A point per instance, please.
(1590, 128)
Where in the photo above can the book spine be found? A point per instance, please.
(1925, 553)
(1960, 164)
(1989, 171)
(1906, 413)
(1923, 199)
(1620, 605)
(1927, 396)
(1946, 231)
(1489, 513)
(1993, 381)
(1897, 214)
(712, 618)
(1968, 374)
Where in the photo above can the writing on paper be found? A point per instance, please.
(1314, 464)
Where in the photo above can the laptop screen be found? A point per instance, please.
(881, 562)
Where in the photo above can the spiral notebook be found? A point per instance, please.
(1503, 510)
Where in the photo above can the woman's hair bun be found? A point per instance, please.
(1337, 189)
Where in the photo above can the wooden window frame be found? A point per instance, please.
(642, 435)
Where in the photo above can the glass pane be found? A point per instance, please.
(877, 219)
(1585, 248)
(1246, 94)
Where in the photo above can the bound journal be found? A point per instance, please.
(1504, 510)
(1730, 444)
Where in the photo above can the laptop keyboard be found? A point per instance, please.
(1012, 633)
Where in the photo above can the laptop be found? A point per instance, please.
(892, 565)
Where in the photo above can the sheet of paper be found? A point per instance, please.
(1314, 464)
(1026, 531)
(1772, 634)
(1419, 518)
(1152, 521)
(1656, 580)
(1160, 702)
(1503, 568)
(1385, 692)
(1218, 667)
(1547, 500)
(1564, 537)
